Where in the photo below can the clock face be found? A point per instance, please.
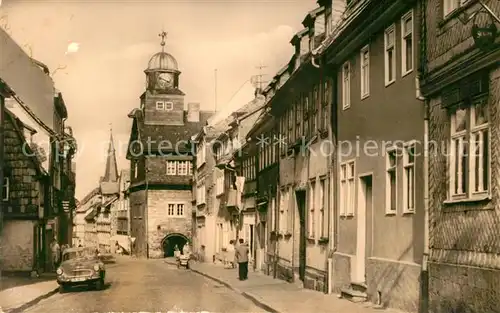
(165, 80)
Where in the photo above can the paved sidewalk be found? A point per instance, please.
(276, 295)
(18, 298)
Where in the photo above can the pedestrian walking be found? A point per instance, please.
(56, 253)
(230, 255)
(242, 257)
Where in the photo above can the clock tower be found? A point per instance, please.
(163, 100)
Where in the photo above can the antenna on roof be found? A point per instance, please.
(257, 80)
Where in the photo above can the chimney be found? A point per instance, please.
(193, 114)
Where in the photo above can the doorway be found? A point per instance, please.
(260, 252)
(170, 242)
(364, 209)
(301, 206)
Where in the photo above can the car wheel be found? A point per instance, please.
(62, 288)
(99, 285)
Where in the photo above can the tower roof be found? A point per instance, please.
(111, 171)
(162, 61)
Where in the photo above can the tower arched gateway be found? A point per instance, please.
(160, 158)
(170, 241)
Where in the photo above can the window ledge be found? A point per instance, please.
(390, 213)
(363, 97)
(403, 74)
(408, 212)
(345, 107)
(468, 200)
(311, 239)
(387, 84)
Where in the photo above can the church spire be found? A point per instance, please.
(111, 172)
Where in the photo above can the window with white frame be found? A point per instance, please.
(407, 43)
(180, 209)
(200, 154)
(391, 180)
(451, 5)
(469, 157)
(171, 209)
(346, 85)
(200, 194)
(322, 209)
(390, 54)
(171, 168)
(409, 178)
(5, 189)
(219, 183)
(160, 105)
(312, 216)
(182, 168)
(365, 71)
(169, 106)
(347, 192)
(136, 169)
(190, 168)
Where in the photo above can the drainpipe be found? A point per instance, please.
(425, 259)
(146, 218)
(2, 160)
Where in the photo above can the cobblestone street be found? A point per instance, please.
(149, 286)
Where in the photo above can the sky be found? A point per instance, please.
(97, 51)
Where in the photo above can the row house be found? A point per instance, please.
(294, 167)
(110, 192)
(216, 201)
(84, 208)
(461, 86)
(236, 213)
(374, 57)
(35, 185)
(205, 188)
(62, 171)
(121, 218)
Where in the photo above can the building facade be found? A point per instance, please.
(161, 161)
(85, 207)
(461, 82)
(24, 188)
(205, 192)
(35, 212)
(121, 218)
(380, 185)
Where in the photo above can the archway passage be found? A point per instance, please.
(169, 243)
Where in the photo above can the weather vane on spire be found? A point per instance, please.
(163, 35)
(111, 127)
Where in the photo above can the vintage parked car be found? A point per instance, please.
(80, 266)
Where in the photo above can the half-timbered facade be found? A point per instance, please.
(461, 83)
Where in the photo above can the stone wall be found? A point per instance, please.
(460, 288)
(17, 252)
(341, 271)
(161, 225)
(396, 283)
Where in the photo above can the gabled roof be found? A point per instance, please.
(311, 16)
